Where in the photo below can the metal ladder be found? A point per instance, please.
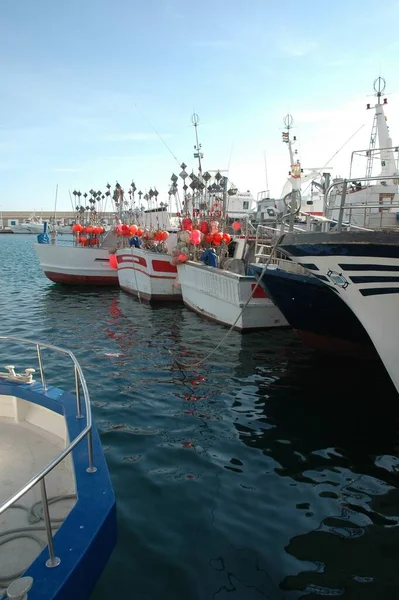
(373, 139)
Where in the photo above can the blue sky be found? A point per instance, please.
(85, 82)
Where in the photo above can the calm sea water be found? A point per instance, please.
(269, 472)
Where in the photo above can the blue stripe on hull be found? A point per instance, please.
(379, 291)
(330, 249)
(374, 279)
(368, 267)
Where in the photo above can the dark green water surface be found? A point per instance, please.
(269, 472)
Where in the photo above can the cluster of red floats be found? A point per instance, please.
(87, 235)
(132, 230)
(128, 230)
(205, 233)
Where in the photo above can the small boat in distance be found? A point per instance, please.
(57, 505)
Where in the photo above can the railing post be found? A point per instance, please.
(39, 356)
(53, 560)
(91, 468)
(342, 205)
(78, 403)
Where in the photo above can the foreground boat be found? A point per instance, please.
(317, 314)
(57, 505)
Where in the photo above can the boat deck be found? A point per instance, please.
(25, 449)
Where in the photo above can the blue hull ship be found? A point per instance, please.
(316, 312)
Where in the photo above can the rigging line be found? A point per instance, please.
(339, 149)
(158, 134)
(226, 335)
(334, 155)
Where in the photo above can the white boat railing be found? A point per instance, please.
(80, 382)
(353, 206)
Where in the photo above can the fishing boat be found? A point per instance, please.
(57, 505)
(73, 264)
(228, 294)
(148, 271)
(88, 258)
(34, 225)
(214, 250)
(31, 225)
(315, 311)
(361, 265)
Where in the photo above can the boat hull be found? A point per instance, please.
(362, 267)
(220, 296)
(148, 275)
(318, 315)
(73, 265)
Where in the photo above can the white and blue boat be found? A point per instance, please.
(57, 505)
(315, 312)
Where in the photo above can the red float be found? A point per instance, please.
(204, 227)
(113, 263)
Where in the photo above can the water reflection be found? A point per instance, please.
(264, 472)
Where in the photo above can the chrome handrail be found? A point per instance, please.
(87, 431)
(351, 206)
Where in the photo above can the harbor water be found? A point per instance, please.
(266, 472)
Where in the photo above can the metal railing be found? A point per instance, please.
(352, 206)
(80, 381)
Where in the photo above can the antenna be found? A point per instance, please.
(197, 154)
(288, 121)
(379, 87)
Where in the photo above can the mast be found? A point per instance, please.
(197, 154)
(295, 172)
(380, 126)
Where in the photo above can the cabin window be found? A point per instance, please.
(245, 205)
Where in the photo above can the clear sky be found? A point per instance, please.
(84, 83)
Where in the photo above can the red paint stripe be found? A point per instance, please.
(131, 258)
(82, 279)
(338, 346)
(259, 292)
(164, 266)
(145, 272)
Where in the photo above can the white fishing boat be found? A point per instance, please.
(226, 294)
(34, 225)
(31, 225)
(361, 265)
(57, 505)
(149, 274)
(74, 264)
(88, 257)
